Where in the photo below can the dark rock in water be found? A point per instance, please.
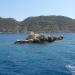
(51, 39)
(36, 41)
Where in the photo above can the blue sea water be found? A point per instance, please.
(56, 58)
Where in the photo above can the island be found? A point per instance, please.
(39, 38)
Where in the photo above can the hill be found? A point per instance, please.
(8, 25)
(38, 24)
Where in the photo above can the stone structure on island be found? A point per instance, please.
(39, 38)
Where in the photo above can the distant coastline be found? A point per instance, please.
(38, 24)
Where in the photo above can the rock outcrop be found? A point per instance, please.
(38, 38)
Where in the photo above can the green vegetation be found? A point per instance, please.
(38, 24)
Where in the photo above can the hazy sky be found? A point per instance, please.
(21, 9)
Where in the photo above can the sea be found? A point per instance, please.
(54, 58)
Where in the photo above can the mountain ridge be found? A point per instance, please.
(51, 23)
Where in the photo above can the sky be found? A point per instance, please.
(21, 9)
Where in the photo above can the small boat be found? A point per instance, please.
(21, 41)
